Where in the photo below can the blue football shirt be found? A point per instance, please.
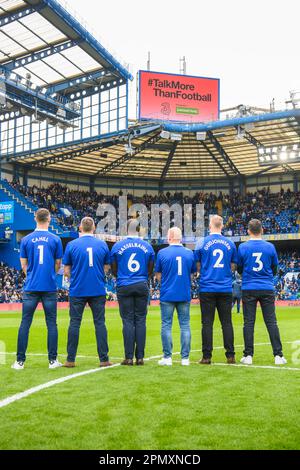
(41, 249)
(176, 264)
(87, 256)
(257, 257)
(132, 256)
(215, 254)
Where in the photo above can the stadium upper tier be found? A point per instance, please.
(64, 108)
(230, 149)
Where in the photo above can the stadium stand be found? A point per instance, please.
(279, 210)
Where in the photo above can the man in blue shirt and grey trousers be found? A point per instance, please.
(132, 261)
(86, 260)
(174, 268)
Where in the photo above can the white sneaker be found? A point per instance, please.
(185, 362)
(18, 365)
(280, 360)
(247, 360)
(165, 361)
(55, 364)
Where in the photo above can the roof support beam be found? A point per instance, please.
(78, 80)
(10, 17)
(215, 159)
(126, 157)
(168, 164)
(71, 154)
(42, 54)
(222, 152)
(251, 139)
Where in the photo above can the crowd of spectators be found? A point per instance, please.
(280, 212)
(11, 282)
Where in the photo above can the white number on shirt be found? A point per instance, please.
(179, 261)
(133, 264)
(258, 261)
(41, 254)
(220, 255)
(91, 259)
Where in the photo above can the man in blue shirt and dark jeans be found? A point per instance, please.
(174, 268)
(217, 258)
(132, 261)
(40, 253)
(257, 262)
(86, 260)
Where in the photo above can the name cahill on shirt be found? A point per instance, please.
(40, 239)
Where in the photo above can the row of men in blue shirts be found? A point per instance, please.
(132, 262)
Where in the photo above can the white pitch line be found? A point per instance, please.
(119, 358)
(19, 396)
(245, 365)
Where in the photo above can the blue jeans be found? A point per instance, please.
(97, 305)
(30, 303)
(183, 313)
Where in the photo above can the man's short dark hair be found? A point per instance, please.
(255, 226)
(42, 216)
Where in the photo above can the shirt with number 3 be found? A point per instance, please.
(215, 253)
(87, 256)
(132, 256)
(257, 257)
(176, 264)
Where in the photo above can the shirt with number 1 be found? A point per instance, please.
(176, 264)
(87, 256)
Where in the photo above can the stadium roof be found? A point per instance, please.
(40, 37)
(223, 153)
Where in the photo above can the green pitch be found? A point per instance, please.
(152, 407)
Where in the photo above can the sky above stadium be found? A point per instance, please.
(253, 47)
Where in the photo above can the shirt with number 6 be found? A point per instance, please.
(176, 264)
(215, 253)
(257, 257)
(132, 256)
(41, 248)
(87, 256)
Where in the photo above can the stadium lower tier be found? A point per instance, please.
(286, 282)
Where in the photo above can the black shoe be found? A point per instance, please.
(127, 362)
(139, 362)
(205, 361)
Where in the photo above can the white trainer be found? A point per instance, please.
(54, 364)
(165, 361)
(280, 360)
(247, 360)
(18, 365)
(185, 362)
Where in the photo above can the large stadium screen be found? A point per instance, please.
(170, 97)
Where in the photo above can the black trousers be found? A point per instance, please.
(133, 304)
(266, 298)
(77, 306)
(209, 302)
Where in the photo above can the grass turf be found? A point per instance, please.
(151, 407)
